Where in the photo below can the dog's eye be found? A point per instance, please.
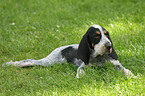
(97, 36)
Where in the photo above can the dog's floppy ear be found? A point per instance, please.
(113, 53)
(84, 50)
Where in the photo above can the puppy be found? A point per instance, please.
(95, 47)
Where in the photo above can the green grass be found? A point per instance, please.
(33, 28)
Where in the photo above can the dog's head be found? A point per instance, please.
(96, 42)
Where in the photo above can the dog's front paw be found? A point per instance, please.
(81, 72)
(128, 73)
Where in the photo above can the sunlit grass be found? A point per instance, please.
(33, 28)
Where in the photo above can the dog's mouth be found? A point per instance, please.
(108, 51)
(102, 51)
(108, 48)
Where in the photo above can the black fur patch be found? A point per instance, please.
(70, 54)
(93, 37)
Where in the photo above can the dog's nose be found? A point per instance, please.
(108, 45)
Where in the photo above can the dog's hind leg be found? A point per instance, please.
(53, 58)
(29, 62)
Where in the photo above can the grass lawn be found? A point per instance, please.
(33, 28)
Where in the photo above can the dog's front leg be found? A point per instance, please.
(80, 70)
(118, 65)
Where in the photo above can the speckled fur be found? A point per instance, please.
(97, 54)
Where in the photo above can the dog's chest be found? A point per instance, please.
(99, 60)
(71, 55)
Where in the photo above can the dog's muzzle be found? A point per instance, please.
(108, 46)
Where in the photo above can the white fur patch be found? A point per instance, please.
(53, 58)
(100, 47)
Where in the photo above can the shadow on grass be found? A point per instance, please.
(63, 78)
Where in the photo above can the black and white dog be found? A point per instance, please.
(95, 47)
